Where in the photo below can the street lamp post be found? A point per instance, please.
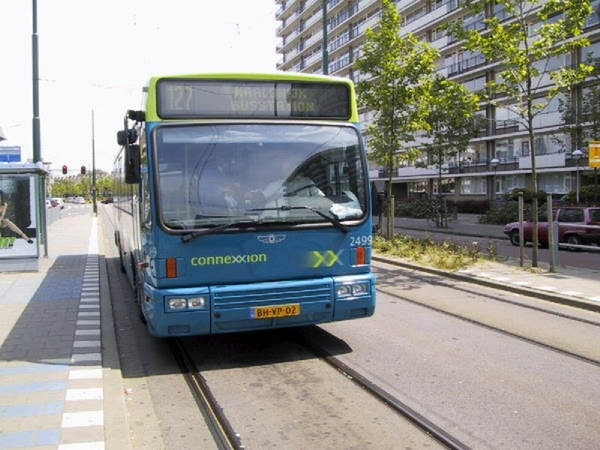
(94, 190)
(494, 163)
(325, 41)
(576, 155)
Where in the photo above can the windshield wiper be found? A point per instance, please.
(330, 219)
(189, 236)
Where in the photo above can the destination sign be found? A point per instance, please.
(193, 98)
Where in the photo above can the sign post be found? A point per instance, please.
(594, 153)
(10, 154)
(594, 157)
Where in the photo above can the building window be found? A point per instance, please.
(448, 186)
(475, 84)
(437, 33)
(555, 183)
(591, 51)
(473, 185)
(510, 182)
(534, 29)
(505, 149)
(414, 15)
(594, 18)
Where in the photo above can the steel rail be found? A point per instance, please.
(225, 435)
(540, 344)
(395, 404)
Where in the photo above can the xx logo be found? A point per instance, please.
(328, 258)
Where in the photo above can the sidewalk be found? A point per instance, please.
(572, 286)
(60, 382)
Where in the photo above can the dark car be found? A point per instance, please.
(572, 223)
(107, 200)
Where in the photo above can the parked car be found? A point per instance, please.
(107, 200)
(70, 199)
(571, 227)
(57, 202)
(49, 204)
(80, 201)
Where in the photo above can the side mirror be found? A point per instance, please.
(125, 137)
(122, 138)
(132, 164)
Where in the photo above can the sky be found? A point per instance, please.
(95, 57)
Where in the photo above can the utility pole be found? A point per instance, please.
(37, 147)
(37, 152)
(94, 190)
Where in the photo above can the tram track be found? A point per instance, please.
(225, 436)
(390, 290)
(444, 283)
(401, 408)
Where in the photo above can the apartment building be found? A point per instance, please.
(499, 159)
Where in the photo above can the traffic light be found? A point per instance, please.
(82, 170)
(64, 169)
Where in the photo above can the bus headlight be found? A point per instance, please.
(352, 290)
(360, 289)
(196, 302)
(180, 304)
(177, 303)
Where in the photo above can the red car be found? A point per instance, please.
(571, 227)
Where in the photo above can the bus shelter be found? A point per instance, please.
(21, 219)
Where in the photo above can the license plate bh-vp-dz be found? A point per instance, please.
(270, 312)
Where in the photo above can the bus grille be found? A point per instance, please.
(225, 297)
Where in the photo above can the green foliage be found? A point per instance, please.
(419, 209)
(399, 69)
(472, 206)
(523, 59)
(589, 195)
(529, 195)
(441, 255)
(451, 119)
(501, 213)
(76, 185)
(582, 122)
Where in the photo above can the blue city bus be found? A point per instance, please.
(242, 202)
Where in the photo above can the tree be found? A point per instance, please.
(80, 184)
(397, 70)
(451, 126)
(581, 114)
(535, 33)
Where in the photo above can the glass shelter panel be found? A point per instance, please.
(18, 220)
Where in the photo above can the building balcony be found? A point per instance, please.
(544, 161)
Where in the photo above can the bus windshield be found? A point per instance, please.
(209, 175)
